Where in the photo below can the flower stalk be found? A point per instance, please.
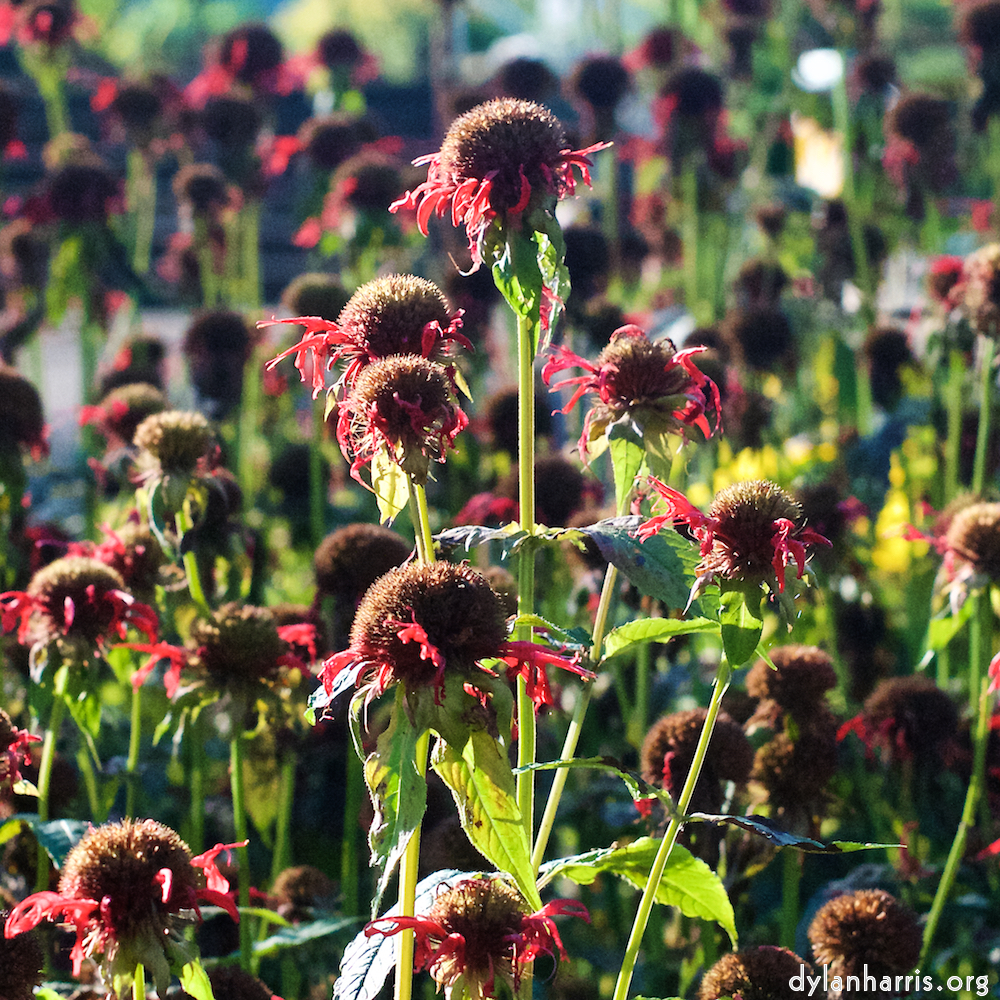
(240, 824)
(45, 771)
(987, 350)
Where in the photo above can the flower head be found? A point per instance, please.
(22, 423)
(499, 160)
(977, 292)
(760, 973)
(350, 559)
(399, 314)
(14, 745)
(118, 415)
(75, 598)
(402, 404)
(648, 380)
(174, 442)
(124, 887)
(798, 682)
(478, 930)
(419, 622)
(751, 533)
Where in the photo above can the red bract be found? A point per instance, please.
(478, 930)
(14, 745)
(635, 375)
(497, 161)
(750, 535)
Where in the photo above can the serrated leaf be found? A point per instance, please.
(766, 827)
(627, 637)
(298, 934)
(369, 960)
(391, 486)
(741, 621)
(482, 783)
(627, 456)
(398, 793)
(687, 883)
(660, 567)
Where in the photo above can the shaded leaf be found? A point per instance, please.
(297, 934)
(482, 783)
(943, 629)
(57, 836)
(627, 637)
(766, 827)
(469, 536)
(369, 960)
(687, 883)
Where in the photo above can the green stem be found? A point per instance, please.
(985, 412)
(670, 837)
(639, 722)
(526, 575)
(790, 882)
(250, 252)
(953, 446)
(282, 857)
(86, 768)
(317, 483)
(350, 856)
(420, 517)
(196, 777)
(139, 983)
(45, 770)
(689, 238)
(240, 823)
(190, 560)
(132, 764)
(408, 888)
(141, 193)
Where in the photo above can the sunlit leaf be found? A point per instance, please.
(626, 638)
(391, 486)
(299, 934)
(742, 624)
(627, 456)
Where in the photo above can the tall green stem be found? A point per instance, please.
(526, 328)
(408, 888)
(240, 824)
(791, 879)
(350, 855)
(282, 856)
(132, 763)
(196, 779)
(141, 194)
(670, 837)
(317, 482)
(420, 517)
(45, 770)
(953, 445)
(190, 560)
(985, 411)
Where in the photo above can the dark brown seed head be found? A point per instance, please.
(80, 583)
(251, 50)
(371, 182)
(875, 72)
(118, 864)
(974, 535)
(238, 646)
(202, 186)
(350, 559)
(219, 332)
(389, 314)
(922, 120)
(176, 439)
(772, 218)
(329, 140)
(794, 772)
(696, 92)
(22, 423)
(232, 122)
(127, 406)
(761, 336)
(601, 81)
(21, 962)
(635, 371)
(981, 25)
(761, 973)
(501, 139)
(456, 607)
(339, 48)
(81, 192)
(868, 927)
(799, 684)
(140, 563)
(315, 294)
(230, 982)
(914, 712)
(300, 890)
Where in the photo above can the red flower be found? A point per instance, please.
(637, 376)
(751, 533)
(478, 930)
(123, 887)
(14, 745)
(400, 314)
(498, 161)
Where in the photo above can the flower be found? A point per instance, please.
(124, 887)
(977, 292)
(478, 930)
(399, 314)
(942, 276)
(14, 745)
(420, 621)
(648, 380)
(498, 160)
(760, 973)
(76, 598)
(752, 532)
(866, 931)
(402, 405)
(118, 415)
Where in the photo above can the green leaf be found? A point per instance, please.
(398, 793)
(391, 486)
(298, 934)
(627, 637)
(44, 993)
(517, 275)
(742, 624)
(482, 783)
(687, 883)
(194, 980)
(943, 629)
(470, 536)
(576, 636)
(551, 258)
(766, 827)
(57, 836)
(627, 456)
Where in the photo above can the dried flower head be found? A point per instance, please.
(399, 314)
(21, 963)
(420, 621)
(601, 81)
(668, 751)
(75, 598)
(330, 140)
(202, 187)
(300, 890)
(974, 537)
(350, 559)
(251, 53)
(648, 380)
(402, 405)
(22, 422)
(868, 928)
(480, 930)
(799, 682)
(82, 192)
(230, 982)
(315, 294)
(499, 160)
(118, 415)
(751, 533)
(760, 336)
(977, 293)
(175, 441)
(123, 887)
(794, 771)
(761, 973)
(133, 551)
(760, 283)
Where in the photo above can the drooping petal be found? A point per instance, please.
(217, 882)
